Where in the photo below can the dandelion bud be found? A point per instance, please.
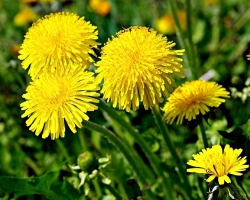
(87, 162)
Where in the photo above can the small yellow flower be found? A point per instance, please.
(193, 98)
(248, 57)
(211, 2)
(24, 17)
(101, 7)
(166, 24)
(15, 49)
(57, 42)
(55, 98)
(137, 66)
(214, 162)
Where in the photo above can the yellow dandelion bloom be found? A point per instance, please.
(166, 23)
(24, 17)
(58, 41)
(193, 98)
(101, 7)
(216, 163)
(55, 98)
(137, 66)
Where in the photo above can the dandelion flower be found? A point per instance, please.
(58, 41)
(216, 163)
(193, 98)
(55, 98)
(137, 66)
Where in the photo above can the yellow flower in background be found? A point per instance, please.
(248, 57)
(57, 42)
(55, 98)
(14, 50)
(101, 7)
(166, 24)
(138, 65)
(216, 163)
(193, 98)
(211, 2)
(25, 16)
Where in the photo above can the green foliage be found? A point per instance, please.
(47, 185)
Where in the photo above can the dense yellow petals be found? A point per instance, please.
(216, 163)
(193, 98)
(57, 42)
(138, 65)
(53, 99)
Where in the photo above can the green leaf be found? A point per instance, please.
(47, 185)
(246, 129)
(234, 135)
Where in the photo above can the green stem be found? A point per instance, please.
(238, 188)
(236, 192)
(81, 140)
(203, 133)
(64, 151)
(97, 187)
(154, 161)
(189, 37)
(33, 166)
(114, 192)
(162, 126)
(179, 31)
(113, 139)
(182, 39)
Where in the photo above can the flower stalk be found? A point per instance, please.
(203, 133)
(177, 161)
(154, 161)
(117, 142)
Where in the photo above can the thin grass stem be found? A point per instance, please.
(154, 161)
(135, 163)
(177, 161)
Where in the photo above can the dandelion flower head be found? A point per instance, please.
(216, 163)
(53, 99)
(137, 66)
(193, 98)
(57, 41)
